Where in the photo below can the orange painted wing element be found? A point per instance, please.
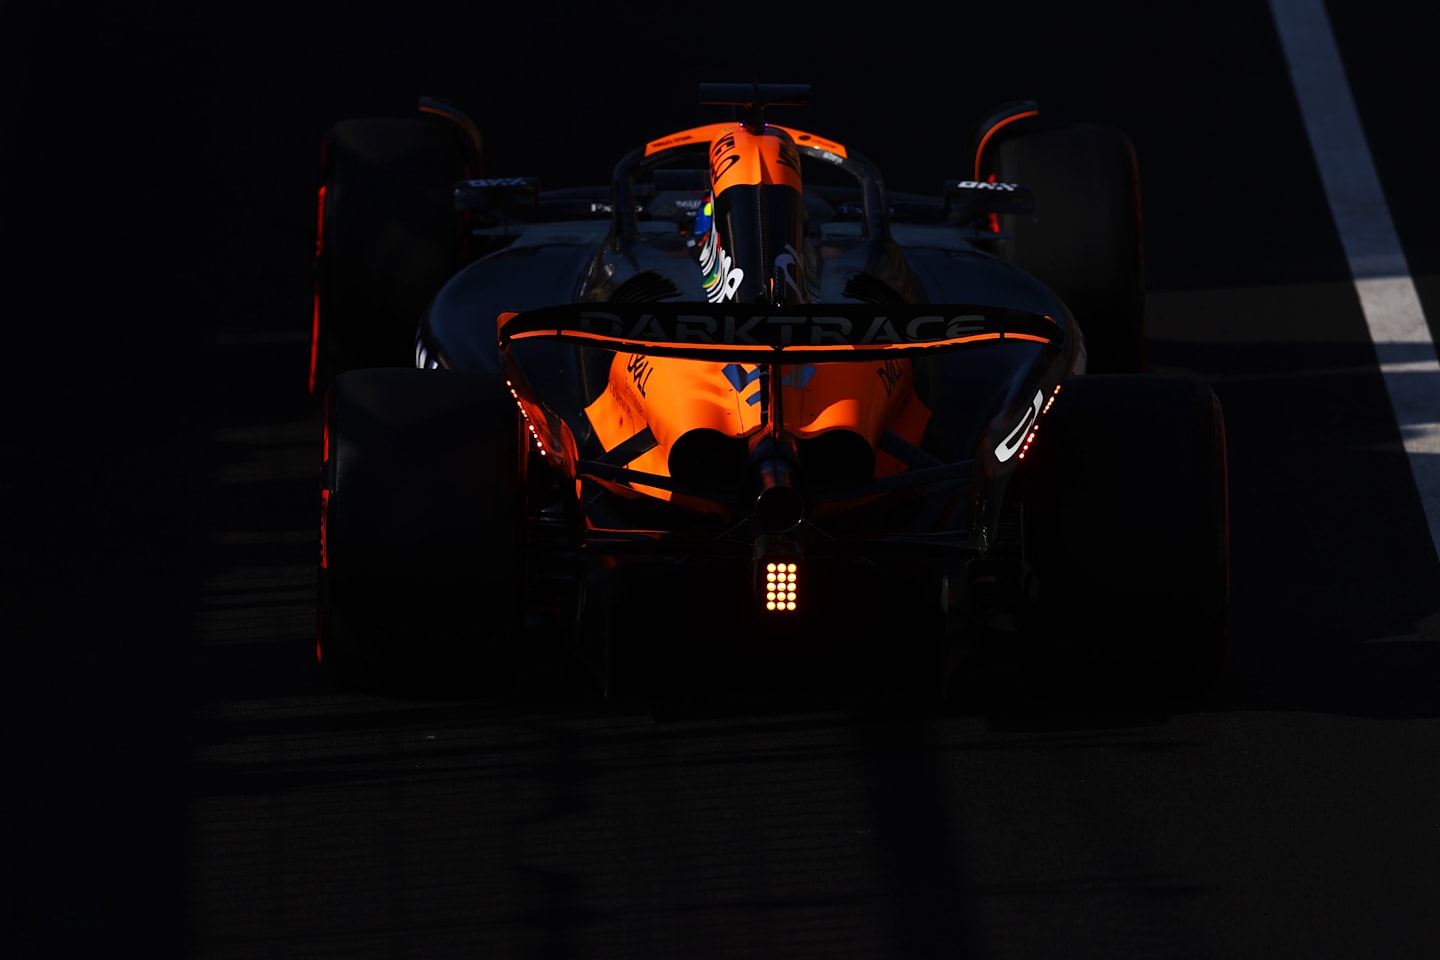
(810, 140)
(687, 138)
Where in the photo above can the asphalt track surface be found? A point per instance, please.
(180, 785)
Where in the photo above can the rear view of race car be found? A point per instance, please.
(743, 405)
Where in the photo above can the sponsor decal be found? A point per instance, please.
(502, 182)
(788, 264)
(890, 373)
(1016, 438)
(767, 157)
(722, 156)
(740, 377)
(721, 278)
(695, 136)
(423, 359)
(799, 376)
(987, 185)
(790, 155)
(640, 370)
(783, 331)
(822, 328)
(605, 206)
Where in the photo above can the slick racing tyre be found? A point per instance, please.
(1083, 238)
(389, 238)
(421, 537)
(1126, 531)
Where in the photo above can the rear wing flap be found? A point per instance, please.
(806, 333)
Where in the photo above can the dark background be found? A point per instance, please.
(187, 793)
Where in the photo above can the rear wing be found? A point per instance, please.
(806, 333)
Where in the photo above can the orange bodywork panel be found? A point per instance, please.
(672, 396)
(708, 132)
(738, 156)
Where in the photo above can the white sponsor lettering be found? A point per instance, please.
(829, 330)
(695, 329)
(772, 330)
(741, 334)
(734, 276)
(721, 277)
(967, 324)
(986, 185)
(1012, 443)
(789, 264)
(881, 332)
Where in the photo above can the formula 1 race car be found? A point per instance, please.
(743, 410)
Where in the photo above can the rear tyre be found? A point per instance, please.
(422, 561)
(1084, 238)
(389, 237)
(1126, 532)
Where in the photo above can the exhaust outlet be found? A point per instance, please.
(779, 507)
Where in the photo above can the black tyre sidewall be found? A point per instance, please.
(422, 583)
(1126, 527)
(1084, 238)
(390, 237)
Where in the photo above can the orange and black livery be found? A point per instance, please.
(748, 401)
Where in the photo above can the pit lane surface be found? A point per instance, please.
(184, 783)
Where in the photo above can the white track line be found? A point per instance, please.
(1403, 345)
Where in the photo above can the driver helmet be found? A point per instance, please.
(704, 216)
